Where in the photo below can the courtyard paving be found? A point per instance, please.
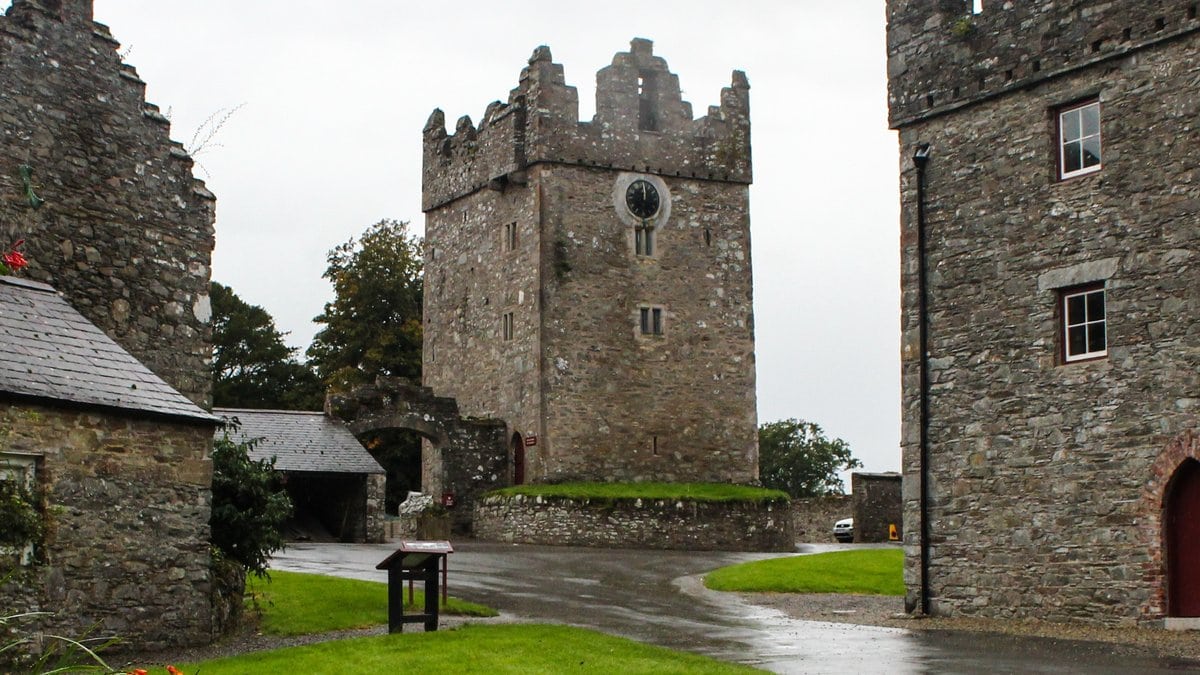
(655, 597)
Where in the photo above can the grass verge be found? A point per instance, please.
(702, 492)
(511, 648)
(292, 603)
(875, 571)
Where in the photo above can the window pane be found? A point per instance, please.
(645, 320)
(658, 322)
(1091, 151)
(1090, 120)
(639, 246)
(1096, 337)
(1070, 126)
(1095, 306)
(1075, 314)
(1076, 340)
(1071, 157)
(649, 242)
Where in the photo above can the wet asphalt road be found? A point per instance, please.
(656, 597)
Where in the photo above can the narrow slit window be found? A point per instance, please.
(1085, 329)
(506, 327)
(1079, 140)
(510, 237)
(651, 320)
(643, 236)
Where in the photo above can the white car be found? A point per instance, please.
(843, 530)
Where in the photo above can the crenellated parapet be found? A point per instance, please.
(641, 124)
(942, 56)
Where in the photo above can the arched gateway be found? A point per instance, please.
(1181, 523)
(460, 458)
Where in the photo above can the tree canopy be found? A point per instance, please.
(795, 456)
(373, 325)
(252, 367)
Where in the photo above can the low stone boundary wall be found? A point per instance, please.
(637, 523)
(814, 517)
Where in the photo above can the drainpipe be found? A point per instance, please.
(920, 159)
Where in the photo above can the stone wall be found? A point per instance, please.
(877, 506)
(127, 505)
(637, 523)
(461, 458)
(601, 401)
(814, 517)
(125, 232)
(1047, 478)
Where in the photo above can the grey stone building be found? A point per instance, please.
(102, 406)
(331, 478)
(119, 466)
(589, 282)
(104, 199)
(1050, 176)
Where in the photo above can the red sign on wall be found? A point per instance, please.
(530, 441)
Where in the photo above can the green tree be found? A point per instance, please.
(796, 457)
(252, 367)
(373, 325)
(249, 505)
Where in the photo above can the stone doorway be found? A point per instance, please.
(1182, 529)
(518, 458)
(461, 458)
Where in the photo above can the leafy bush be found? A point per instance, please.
(795, 456)
(20, 517)
(249, 505)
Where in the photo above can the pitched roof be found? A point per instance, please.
(49, 351)
(301, 441)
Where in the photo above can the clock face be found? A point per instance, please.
(642, 199)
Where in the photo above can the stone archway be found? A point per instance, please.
(1156, 493)
(1181, 536)
(461, 458)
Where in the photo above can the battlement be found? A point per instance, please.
(641, 124)
(941, 56)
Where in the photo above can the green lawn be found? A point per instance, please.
(876, 571)
(507, 648)
(296, 604)
(706, 492)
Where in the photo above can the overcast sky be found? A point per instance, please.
(335, 95)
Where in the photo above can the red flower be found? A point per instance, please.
(174, 671)
(14, 258)
(139, 671)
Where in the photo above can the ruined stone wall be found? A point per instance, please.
(877, 506)
(637, 523)
(1047, 478)
(125, 232)
(814, 517)
(127, 505)
(475, 462)
(605, 403)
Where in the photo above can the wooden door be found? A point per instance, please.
(1183, 541)
(518, 455)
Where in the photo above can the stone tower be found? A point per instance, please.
(1051, 306)
(104, 199)
(590, 282)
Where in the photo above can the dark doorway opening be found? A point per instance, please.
(398, 451)
(1182, 520)
(327, 506)
(518, 459)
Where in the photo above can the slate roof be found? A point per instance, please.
(301, 441)
(49, 351)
